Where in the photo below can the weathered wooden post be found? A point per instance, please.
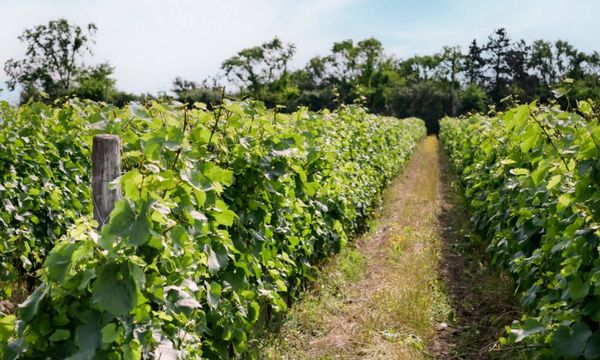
(106, 167)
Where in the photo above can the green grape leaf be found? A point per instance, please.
(109, 333)
(539, 173)
(554, 180)
(520, 117)
(253, 311)
(59, 335)
(519, 171)
(564, 201)
(223, 215)
(213, 295)
(88, 337)
(114, 289)
(217, 261)
(585, 107)
(217, 174)
(129, 223)
(200, 135)
(592, 350)
(139, 111)
(571, 344)
(7, 326)
(531, 137)
(132, 350)
(59, 261)
(30, 307)
(530, 327)
(578, 288)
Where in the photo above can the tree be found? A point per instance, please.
(419, 68)
(592, 64)
(473, 98)
(355, 70)
(496, 50)
(315, 86)
(425, 99)
(257, 67)
(517, 60)
(53, 58)
(522, 84)
(449, 67)
(474, 64)
(190, 92)
(567, 59)
(94, 83)
(342, 61)
(369, 55)
(541, 62)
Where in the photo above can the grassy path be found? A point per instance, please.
(406, 289)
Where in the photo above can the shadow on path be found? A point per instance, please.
(481, 296)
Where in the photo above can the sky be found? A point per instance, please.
(150, 42)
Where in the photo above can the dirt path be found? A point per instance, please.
(399, 293)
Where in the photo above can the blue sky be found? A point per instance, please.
(150, 42)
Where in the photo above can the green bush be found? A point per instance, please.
(531, 177)
(223, 215)
(44, 185)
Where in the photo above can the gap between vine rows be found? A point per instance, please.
(416, 287)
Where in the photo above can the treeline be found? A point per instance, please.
(451, 82)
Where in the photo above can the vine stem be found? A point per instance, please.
(218, 116)
(185, 123)
(551, 142)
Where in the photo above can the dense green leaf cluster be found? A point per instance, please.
(223, 214)
(44, 181)
(531, 176)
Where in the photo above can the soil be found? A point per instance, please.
(480, 295)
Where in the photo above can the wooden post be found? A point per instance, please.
(106, 167)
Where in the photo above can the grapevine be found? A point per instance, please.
(223, 216)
